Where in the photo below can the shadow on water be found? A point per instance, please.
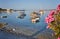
(38, 32)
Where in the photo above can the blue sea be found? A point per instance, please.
(25, 25)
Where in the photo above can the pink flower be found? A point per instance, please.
(56, 12)
(50, 16)
(49, 19)
(58, 37)
(52, 12)
(58, 7)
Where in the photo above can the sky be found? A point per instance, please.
(29, 4)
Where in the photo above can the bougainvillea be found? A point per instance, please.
(53, 21)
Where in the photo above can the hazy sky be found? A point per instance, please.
(29, 4)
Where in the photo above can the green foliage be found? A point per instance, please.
(55, 25)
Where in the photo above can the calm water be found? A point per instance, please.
(22, 23)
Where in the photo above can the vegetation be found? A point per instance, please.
(53, 21)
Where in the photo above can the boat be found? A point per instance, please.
(3, 16)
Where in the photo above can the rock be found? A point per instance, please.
(2, 25)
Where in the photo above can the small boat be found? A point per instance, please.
(35, 15)
(35, 20)
(3, 17)
(41, 12)
(21, 16)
